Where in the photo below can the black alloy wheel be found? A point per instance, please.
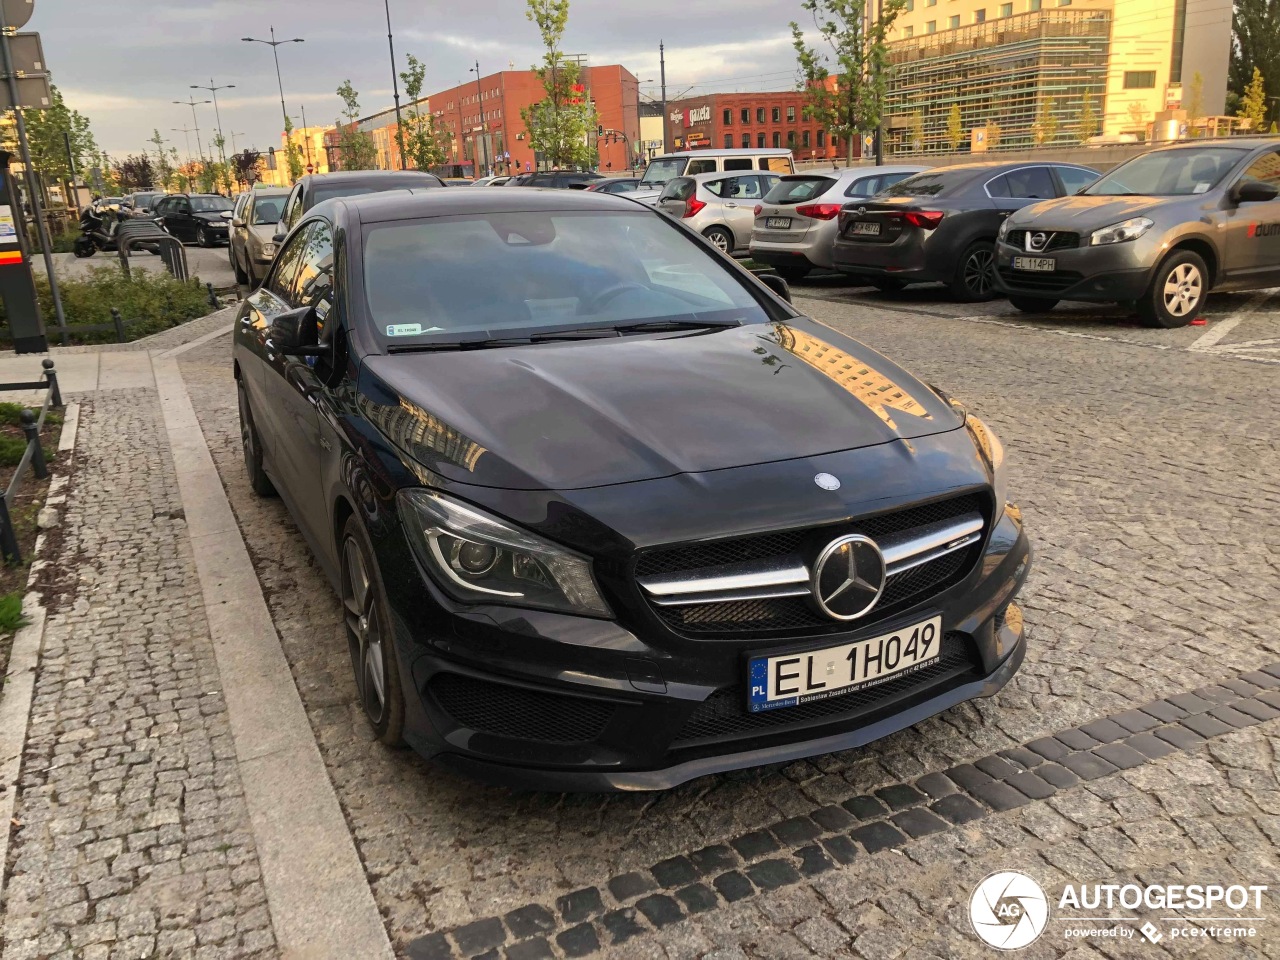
(370, 636)
(975, 275)
(202, 237)
(252, 444)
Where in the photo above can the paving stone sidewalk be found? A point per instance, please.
(131, 838)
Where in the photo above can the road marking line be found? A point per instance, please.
(1225, 326)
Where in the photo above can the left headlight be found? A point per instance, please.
(478, 558)
(1004, 229)
(992, 451)
(268, 249)
(1120, 232)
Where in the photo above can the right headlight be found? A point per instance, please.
(478, 558)
(1004, 229)
(992, 451)
(1120, 232)
(268, 249)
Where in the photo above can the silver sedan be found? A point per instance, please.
(720, 206)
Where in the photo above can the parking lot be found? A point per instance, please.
(1146, 464)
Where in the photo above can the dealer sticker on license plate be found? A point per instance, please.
(791, 678)
(1042, 264)
(866, 228)
(778, 223)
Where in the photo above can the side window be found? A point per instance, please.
(999, 187)
(183, 205)
(863, 187)
(1265, 169)
(244, 210)
(889, 179)
(777, 164)
(739, 163)
(700, 166)
(681, 188)
(313, 285)
(720, 188)
(744, 188)
(286, 268)
(293, 211)
(1031, 183)
(1075, 179)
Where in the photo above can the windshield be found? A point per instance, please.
(660, 171)
(798, 189)
(211, 204)
(928, 184)
(322, 193)
(1168, 173)
(267, 210)
(145, 199)
(509, 274)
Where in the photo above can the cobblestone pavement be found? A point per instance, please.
(1148, 475)
(131, 838)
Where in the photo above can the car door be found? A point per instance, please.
(183, 219)
(296, 392)
(237, 238)
(1253, 228)
(740, 196)
(292, 210)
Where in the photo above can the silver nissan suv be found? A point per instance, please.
(1159, 231)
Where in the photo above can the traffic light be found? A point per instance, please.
(599, 129)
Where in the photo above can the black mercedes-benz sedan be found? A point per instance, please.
(604, 511)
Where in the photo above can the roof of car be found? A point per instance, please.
(1000, 166)
(855, 171)
(383, 207)
(1244, 143)
(727, 152)
(367, 176)
(725, 174)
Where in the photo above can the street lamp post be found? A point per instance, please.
(484, 127)
(274, 44)
(395, 86)
(213, 89)
(187, 131)
(193, 103)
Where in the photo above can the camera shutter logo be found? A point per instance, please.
(1009, 910)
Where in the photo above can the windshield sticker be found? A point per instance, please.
(410, 329)
(1201, 188)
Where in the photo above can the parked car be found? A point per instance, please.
(941, 225)
(319, 187)
(203, 218)
(611, 185)
(1160, 231)
(689, 163)
(494, 181)
(556, 179)
(796, 222)
(253, 245)
(719, 206)
(561, 575)
(237, 208)
(140, 204)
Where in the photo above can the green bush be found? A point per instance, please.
(148, 302)
(11, 414)
(11, 616)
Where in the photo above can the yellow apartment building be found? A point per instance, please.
(1030, 67)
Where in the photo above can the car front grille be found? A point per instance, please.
(518, 712)
(1057, 241)
(791, 615)
(1040, 282)
(724, 714)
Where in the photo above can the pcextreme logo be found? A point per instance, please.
(1009, 910)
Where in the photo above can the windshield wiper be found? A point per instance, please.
(655, 326)
(547, 336)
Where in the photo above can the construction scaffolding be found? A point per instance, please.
(1028, 74)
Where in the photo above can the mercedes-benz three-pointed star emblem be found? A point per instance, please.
(848, 577)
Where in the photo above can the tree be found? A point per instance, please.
(244, 166)
(420, 139)
(292, 152)
(1195, 101)
(852, 101)
(45, 136)
(164, 169)
(135, 172)
(915, 131)
(1045, 127)
(993, 134)
(1138, 116)
(1256, 44)
(561, 123)
(955, 128)
(1087, 126)
(1253, 103)
(357, 151)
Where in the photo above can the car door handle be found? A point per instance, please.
(732, 206)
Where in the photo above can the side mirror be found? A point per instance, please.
(237, 222)
(1255, 191)
(279, 235)
(776, 284)
(291, 331)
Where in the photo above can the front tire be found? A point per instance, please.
(1032, 304)
(1177, 292)
(252, 444)
(242, 276)
(974, 279)
(202, 237)
(720, 238)
(370, 635)
(83, 248)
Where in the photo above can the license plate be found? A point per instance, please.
(778, 223)
(1043, 264)
(791, 678)
(865, 228)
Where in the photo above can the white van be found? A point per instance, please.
(687, 163)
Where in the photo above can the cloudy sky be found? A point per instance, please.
(124, 62)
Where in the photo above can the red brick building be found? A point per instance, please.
(753, 120)
(501, 141)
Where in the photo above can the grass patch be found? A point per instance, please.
(11, 615)
(149, 303)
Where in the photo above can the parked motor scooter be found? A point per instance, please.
(97, 231)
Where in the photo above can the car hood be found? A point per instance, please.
(573, 415)
(264, 231)
(213, 217)
(1083, 214)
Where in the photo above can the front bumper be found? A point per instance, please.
(550, 702)
(1108, 274)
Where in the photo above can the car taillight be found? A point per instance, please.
(819, 211)
(925, 219)
(692, 206)
(758, 209)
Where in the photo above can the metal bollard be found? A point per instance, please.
(8, 539)
(32, 431)
(213, 299)
(51, 375)
(119, 322)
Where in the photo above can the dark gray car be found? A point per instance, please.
(941, 225)
(1160, 231)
